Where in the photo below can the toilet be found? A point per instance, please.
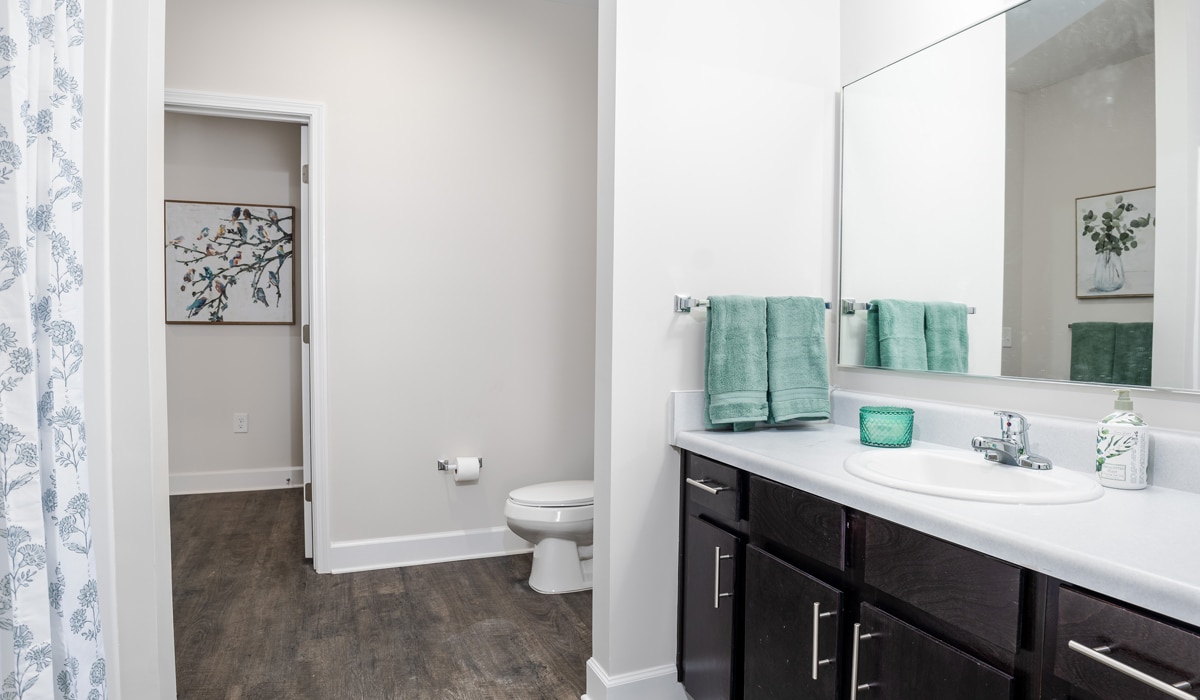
(557, 518)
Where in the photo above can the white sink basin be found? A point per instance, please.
(967, 476)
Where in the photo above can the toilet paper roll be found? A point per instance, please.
(466, 469)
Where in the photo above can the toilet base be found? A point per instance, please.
(557, 567)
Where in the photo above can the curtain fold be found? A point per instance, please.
(50, 642)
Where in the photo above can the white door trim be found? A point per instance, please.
(312, 114)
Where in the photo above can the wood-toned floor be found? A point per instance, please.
(253, 620)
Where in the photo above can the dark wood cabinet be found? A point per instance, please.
(1106, 651)
(774, 580)
(896, 661)
(711, 561)
(792, 632)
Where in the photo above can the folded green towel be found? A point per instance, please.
(735, 361)
(797, 364)
(1133, 345)
(901, 334)
(1092, 347)
(946, 336)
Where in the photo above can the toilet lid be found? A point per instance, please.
(554, 493)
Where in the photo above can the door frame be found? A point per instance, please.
(312, 115)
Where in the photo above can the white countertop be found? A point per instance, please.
(1137, 546)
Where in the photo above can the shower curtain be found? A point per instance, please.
(50, 643)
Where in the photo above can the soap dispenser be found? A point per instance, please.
(1122, 446)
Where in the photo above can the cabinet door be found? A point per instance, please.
(898, 662)
(787, 613)
(711, 557)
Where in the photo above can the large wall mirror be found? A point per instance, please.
(1039, 168)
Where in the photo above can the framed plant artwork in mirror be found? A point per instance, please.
(1114, 239)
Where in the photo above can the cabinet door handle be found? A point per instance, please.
(854, 686)
(717, 594)
(703, 485)
(817, 661)
(1099, 654)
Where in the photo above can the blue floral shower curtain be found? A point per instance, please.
(50, 645)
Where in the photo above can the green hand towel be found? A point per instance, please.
(1133, 345)
(946, 340)
(1092, 347)
(871, 356)
(735, 361)
(797, 364)
(902, 334)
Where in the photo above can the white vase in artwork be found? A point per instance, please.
(1110, 272)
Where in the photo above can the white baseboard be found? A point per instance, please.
(647, 684)
(236, 480)
(430, 548)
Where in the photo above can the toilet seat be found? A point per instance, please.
(554, 494)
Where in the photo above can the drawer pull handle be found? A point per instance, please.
(854, 686)
(817, 661)
(1099, 654)
(703, 485)
(717, 594)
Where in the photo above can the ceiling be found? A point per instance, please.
(1050, 41)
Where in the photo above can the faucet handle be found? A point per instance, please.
(1013, 426)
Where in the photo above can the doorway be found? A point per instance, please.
(308, 332)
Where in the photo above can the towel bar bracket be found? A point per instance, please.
(684, 304)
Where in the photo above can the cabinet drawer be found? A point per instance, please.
(1124, 638)
(713, 487)
(971, 592)
(806, 524)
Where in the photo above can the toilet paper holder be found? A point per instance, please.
(447, 465)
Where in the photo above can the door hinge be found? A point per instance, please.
(304, 173)
(304, 333)
(308, 492)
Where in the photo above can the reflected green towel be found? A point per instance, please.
(901, 334)
(1092, 347)
(871, 354)
(735, 361)
(946, 336)
(797, 364)
(1133, 345)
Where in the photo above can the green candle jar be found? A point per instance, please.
(885, 426)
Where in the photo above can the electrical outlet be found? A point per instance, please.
(241, 423)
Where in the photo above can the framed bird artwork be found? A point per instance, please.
(229, 263)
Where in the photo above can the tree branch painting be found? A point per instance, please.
(229, 263)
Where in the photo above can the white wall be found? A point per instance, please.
(1014, 216)
(213, 372)
(126, 355)
(717, 176)
(1078, 143)
(1177, 264)
(1160, 408)
(460, 212)
(908, 215)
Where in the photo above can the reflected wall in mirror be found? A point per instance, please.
(963, 164)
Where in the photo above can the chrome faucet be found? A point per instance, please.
(1012, 447)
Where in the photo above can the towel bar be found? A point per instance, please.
(685, 303)
(849, 306)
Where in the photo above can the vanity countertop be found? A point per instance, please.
(1137, 546)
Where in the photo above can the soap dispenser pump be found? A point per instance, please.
(1122, 446)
